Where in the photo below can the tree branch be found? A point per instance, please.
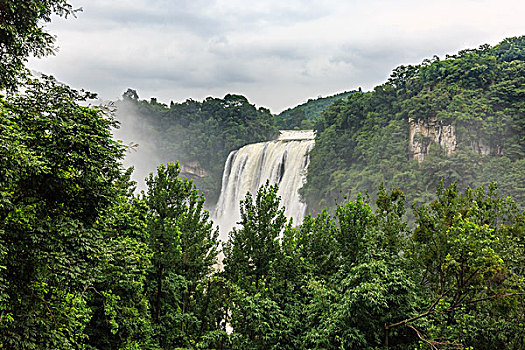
(428, 312)
(432, 343)
(494, 296)
(431, 309)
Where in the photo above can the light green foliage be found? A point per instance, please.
(364, 141)
(352, 312)
(184, 246)
(258, 322)
(305, 115)
(326, 284)
(465, 261)
(266, 273)
(318, 244)
(354, 219)
(252, 247)
(121, 315)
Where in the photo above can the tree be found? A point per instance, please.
(465, 260)
(22, 34)
(319, 246)
(355, 220)
(351, 311)
(369, 284)
(130, 94)
(121, 317)
(59, 166)
(252, 247)
(266, 272)
(184, 246)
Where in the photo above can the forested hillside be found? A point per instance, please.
(87, 264)
(461, 118)
(304, 115)
(199, 135)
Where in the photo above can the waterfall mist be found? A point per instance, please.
(138, 134)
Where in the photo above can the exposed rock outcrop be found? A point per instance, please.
(478, 146)
(423, 133)
(193, 170)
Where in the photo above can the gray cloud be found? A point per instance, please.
(276, 53)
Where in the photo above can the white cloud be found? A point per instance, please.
(277, 53)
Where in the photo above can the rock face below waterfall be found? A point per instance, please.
(283, 161)
(193, 170)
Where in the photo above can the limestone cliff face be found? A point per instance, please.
(193, 170)
(478, 146)
(423, 133)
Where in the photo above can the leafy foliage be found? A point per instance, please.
(85, 264)
(184, 246)
(59, 167)
(305, 115)
(22, 34)
(363, 141)
(201, 134)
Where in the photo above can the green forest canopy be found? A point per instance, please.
(304, 115)
(364, 141)
(86, 264)
(201, 134)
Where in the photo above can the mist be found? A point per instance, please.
(142, 152)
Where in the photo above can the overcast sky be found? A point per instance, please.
(278, 53)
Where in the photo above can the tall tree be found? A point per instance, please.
(59, 166)
(465, 254)
(22, 34)
(184, 246)
(252, 247)
(257, 269)
(121, 317)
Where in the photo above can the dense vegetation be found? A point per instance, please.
(199, 134)
(86, 264)
(304, 115)
(364, 141)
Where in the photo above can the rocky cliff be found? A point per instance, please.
(193, 170)
(423, 133)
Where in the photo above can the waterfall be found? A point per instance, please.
(283, 161)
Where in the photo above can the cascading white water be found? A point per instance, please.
(283, 161)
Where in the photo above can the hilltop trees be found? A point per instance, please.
(478, 94)
(251, 248)
(198, 134)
